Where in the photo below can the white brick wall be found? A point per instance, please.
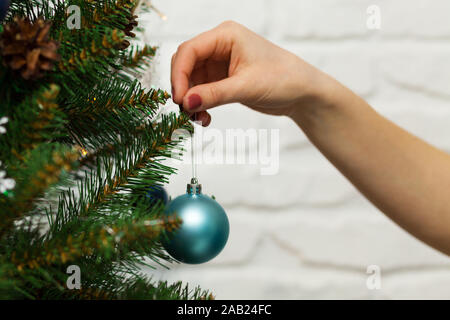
(306, 233)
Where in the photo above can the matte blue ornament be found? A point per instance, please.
(204, 230)
(156, 193)
(4, 6)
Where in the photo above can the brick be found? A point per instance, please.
(346, 19)
(353, 241)
(419, 20)
(304, 179)
(426, 119)
(421, 69)
(351, 63)
(260, 282)
(189, 18)
(418, 284)
(322, 19)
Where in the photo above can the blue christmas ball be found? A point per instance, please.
(203, 232)
(153, 195)
(156, 193)
(4, 6)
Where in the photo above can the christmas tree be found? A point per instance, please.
(81, 143)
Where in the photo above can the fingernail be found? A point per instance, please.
(195, 101)
(207, 121)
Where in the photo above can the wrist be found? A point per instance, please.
(317, 94)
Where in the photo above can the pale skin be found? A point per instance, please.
(406, 178)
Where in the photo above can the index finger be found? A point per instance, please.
(210, 44)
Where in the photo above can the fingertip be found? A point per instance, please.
(175, 96)
(179, 87)
(208, 120)
(193, 102)
(203, 118)
(183, 62)
(179, 91)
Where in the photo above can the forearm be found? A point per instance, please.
(406, 178)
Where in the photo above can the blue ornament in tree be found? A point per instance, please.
(204, 229)
(4, 6)
(154, 194)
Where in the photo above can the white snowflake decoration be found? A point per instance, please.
(3, 121)
(5, 183)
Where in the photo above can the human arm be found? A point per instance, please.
(405, 177)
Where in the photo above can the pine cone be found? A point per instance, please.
(130, 26)
(26, 47)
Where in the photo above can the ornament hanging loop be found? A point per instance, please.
(193, 150)
(194, 187)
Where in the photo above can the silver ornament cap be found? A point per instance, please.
(194, 187)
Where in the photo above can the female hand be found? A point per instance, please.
(230, 63)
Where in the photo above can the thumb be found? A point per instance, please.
(209, 95)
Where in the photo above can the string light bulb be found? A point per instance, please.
(83, 152)
(158, 12)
